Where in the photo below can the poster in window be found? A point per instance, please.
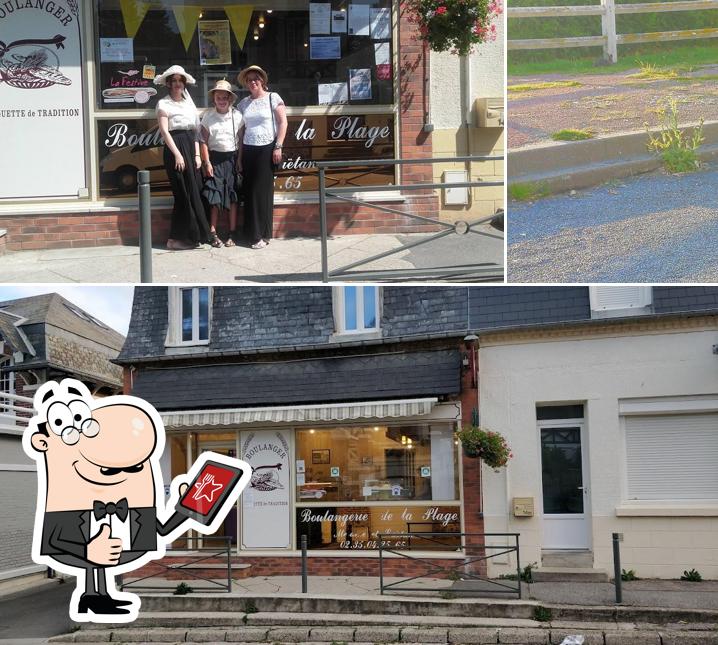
(116, 50)
(319, 17)
(325, 47)
(339, 22)
(359, 84)
(382, 57)
(380, 23)
(214, 42)
(359, 19)
(333, 93)
(321, 456)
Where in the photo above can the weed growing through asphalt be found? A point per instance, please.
(528, 191)
(692, 576)
(447, 595)
(572, 135)
(250, 607)
(652, 72)
(549, 85)
(182, 589)
(527, 572)
(629, 575)
(676, 147)
(542, 614)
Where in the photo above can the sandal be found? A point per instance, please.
(259, 245)
(179, 245)
(230, 242)
(214, 240)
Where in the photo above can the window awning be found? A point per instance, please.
(300, 413)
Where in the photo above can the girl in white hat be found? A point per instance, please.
(218, 132)
(179, 124)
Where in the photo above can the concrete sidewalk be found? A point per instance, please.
(284, 260)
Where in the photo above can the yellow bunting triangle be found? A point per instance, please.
(133, 13)
(240, 17)
(187, 18)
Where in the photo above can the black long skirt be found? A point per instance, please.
(189, 220)
(258, 191)
(220, 189)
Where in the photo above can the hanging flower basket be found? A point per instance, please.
(486, 445)
(455, 25)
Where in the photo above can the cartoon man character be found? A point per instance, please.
(100, 510)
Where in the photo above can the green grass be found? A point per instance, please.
(528, 191)
(526, 87)
(571, 135)
(680, 57)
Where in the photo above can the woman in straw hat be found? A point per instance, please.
(179, 125)
(265, 126)
(218, 132)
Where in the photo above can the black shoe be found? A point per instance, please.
(101, 605)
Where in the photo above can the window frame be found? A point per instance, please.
(174, 331)
(339, 306)
(642, 304)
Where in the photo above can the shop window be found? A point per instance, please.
(315, 53)
(356, 309)
(377, 464)
(189, 315)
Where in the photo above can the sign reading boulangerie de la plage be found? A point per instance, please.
(41, 113)
(265, 502)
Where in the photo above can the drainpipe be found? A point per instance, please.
(428, 125)
(466, 97)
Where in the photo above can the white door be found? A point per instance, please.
(566, 513)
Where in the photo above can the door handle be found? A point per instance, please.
(583, 488)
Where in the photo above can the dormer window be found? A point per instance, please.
(357, 309)
(620, 300)
(189, 315)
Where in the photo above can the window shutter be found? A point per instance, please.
(672, 457)
(619, 297)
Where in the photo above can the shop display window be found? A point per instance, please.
(377, 464)
(367, 528)
(319, 53)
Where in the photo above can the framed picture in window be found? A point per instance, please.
(321, 456)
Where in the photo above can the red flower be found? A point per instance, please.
(441, 10)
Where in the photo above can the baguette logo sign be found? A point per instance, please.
(41, 98)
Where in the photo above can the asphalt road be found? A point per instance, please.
(35, 614)
(652, 228)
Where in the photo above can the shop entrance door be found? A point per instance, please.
(566, 514)
(229, 526)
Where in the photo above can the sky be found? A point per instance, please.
(111, 305)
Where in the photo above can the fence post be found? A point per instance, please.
(323, 223)
(608, 31)
(143, 189)
(617, 568)
(228, 545)
(303, 542)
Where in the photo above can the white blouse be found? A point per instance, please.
(182, 115)
(259, 129)
(219, 127)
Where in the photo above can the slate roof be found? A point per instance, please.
(13, 336)
(296, 382)
(257, 319)
(67, 338)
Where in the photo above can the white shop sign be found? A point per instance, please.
(41, 111)
(266, 512)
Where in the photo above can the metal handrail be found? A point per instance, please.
(183, 566)
(449, 570)
(487, 269)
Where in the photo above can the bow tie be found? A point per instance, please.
(100, 509)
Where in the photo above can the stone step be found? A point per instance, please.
(569, 574)
(572, 559)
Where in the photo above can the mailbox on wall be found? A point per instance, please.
(489, 112)
(523, 506)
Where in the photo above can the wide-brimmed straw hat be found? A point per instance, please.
(223, 86)
(175, 69)
(252, 68)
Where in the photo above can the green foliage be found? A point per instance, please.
(455, 25)
(675, 147)
(453, 576)
(527, 572)
(182, 589)
(447, 595)
(571, 135)
(629, 575)
(250, 606)
(527, 191)
(652, 72)
(691, 576)
(542, 614)
(487, 445)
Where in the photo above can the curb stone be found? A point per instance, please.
(332, 634)
(474, 636)
(424, 635)
(288, 634)
(524, 636)
(377, 634)
(247, 635)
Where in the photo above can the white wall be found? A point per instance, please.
(598, 372)
(487, 79)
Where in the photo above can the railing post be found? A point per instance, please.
(617, 580)
(608, 31)
(143, 189)
(228, 542)
(518, 565)
(323, 223)
(303, 542)
(381, 564)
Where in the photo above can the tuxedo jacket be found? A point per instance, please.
(68, 532)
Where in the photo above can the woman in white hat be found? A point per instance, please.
(218, 132)
(265, 126)
(179, 125)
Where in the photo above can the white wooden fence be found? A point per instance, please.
(10, 422)
(609, 39)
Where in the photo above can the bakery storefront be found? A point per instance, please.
(350, 484)
(78, 99)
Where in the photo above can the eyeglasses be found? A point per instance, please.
(253, 79)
